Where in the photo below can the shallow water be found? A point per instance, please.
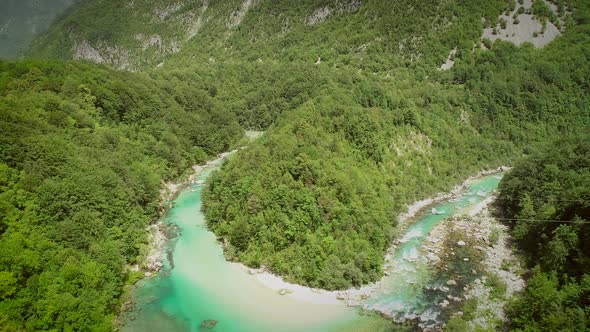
(403, 292)
(204, 286)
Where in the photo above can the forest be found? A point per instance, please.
(359, 122)
(546, 201)
(316, 200)
(84, 150)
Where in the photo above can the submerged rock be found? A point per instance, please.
(208, 324)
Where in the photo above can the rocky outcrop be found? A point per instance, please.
(236, 17)
(163, 13)
(208, 324)
(83, 51)
(450, 60)
(520, 26)
(195, 20)
(320, 15)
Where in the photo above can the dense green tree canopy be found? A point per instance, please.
(359, 122)
(83, 152)
(315, 200)
(546, 200)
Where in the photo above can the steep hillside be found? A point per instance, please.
(369, 34)
(546, 201)
(315, 199)
(83, 152)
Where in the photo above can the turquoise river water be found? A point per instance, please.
(198, 285)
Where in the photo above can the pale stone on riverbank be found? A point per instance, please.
(355, 296)
(491, 237)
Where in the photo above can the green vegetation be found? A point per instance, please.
(315, 200)
(83, 152)
(546, 199)
(359, 122)
(144, 33)
(541, 10)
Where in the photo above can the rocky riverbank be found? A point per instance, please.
(482, 246)
(421, 204)
(158, 232)
(353, 297)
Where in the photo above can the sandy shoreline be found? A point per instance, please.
(353, 296)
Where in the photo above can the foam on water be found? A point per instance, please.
(412, 233)
(404, 297)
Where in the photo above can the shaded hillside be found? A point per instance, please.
(546, 201)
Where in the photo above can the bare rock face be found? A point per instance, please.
(86, 52)
(163, 13)
(450, 60)
(521, 27)
(237, 16)
(353, 5)
(319, 16)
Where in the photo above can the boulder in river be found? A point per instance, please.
(461, 243)
(208, 324)
(352, 303)
(434, 211)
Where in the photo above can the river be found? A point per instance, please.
(202, 288)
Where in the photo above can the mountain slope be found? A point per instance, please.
(315, 200)
(142, 34)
